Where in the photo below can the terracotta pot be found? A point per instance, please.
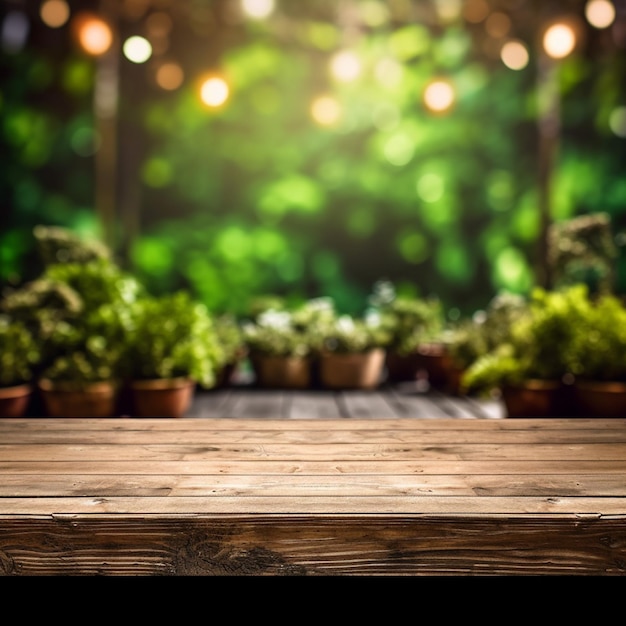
(538, 398)
(160, 397)
(281, 372)
(62, 399)
(14, 400)
(352, 371)
(601, 398)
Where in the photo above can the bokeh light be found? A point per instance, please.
(137, 49)
(439, 96)
(475, 11)
(54, 13)
(169, 76)
(430, 187)
(388, 72)
(214, 91)
(258, 9)
(85, 141)
(514, 55)
(94, 34)
(559, 40)
(345, 66)
(498, 25)
(617, 121)
(15, 28)
(600, 13)
(325, 110)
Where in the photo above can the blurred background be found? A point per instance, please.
(305, 148)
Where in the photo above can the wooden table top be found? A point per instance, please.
(312, 496)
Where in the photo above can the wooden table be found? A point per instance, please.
(219, 496)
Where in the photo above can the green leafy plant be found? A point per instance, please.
(90, 348)
(487, 329)
(277, 333)
(409, 321)
(173, 336)
(538, 345)
(348, 334)
(19, 353)
(230, 337)
(598, 349)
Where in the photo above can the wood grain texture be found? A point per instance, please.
(302, 496)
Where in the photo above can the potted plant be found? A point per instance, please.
(351, 351)
(598, 358)
(86, 357)
(172, 348)
(531, 366)
(78, 310)
(279, 348)
(19, 356)
(414, 326)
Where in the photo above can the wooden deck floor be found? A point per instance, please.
(389, 401)
(312, 496)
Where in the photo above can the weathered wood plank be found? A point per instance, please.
(331, 436)
(302, 451)
(318, 505)
(234, 435)
(145, 467)
(315, 496)
(299, 485)
(269, 545)
(145, 424)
